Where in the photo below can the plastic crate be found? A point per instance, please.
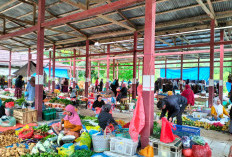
(182, 130)
(161, 149)
(49, 114)
(123, 146)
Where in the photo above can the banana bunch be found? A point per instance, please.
(207, 126)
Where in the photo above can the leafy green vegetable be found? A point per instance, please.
(20, 101)
(42, 155)
(82, 153)
(156, 130)
(44, 128)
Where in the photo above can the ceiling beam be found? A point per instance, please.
(83, 7)
(6, 4)
(14, 19)
(161, 40)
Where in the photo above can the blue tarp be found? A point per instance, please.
(58, 72)
(191, 73)
(228, 86)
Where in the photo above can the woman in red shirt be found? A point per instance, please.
(189, 95)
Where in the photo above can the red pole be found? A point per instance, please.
(113, 69)
(53, 67)
(70, 72)
(74, 69)
(181, 72)
(49, 69)
(166, 68)
(138, 69)
(148, 70)
(221, 66)
(108, 68)
(211, 81)
(134, 65)
(198, 74)
(98, 74)
(117, 70)
(39, 63)
(87, 69)
(29, 65)
(9, 76)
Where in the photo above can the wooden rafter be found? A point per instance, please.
(20, 42)
(7, 4)
(83, 7)
(161, 40)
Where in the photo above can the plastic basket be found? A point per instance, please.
(123, 146)
(182, 130)
(101, 143)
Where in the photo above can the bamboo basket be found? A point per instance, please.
(25, 116)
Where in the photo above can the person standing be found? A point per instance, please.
(18, 86)
(96, 85)
(174, 105)
(189, 95)
(101, 85)
(31, 89)
(64, 84)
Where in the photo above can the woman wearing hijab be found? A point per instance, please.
(72, 122)
(189, 95)
(31, 89)
(105, 118)
(218, 111)
(18, 86)
(99, 102)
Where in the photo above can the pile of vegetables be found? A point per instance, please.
(93, 119)
(60, 101)
(20, 101)
(156, 130)
(42, 155)
(82, 153)
(15, 151)
(7, 140)
(44, 128)
(7, 100)
(8, 132)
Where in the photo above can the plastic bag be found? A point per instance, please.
(198, 140)
(18, 131)
(24, 135)
(202, 151)
(147, 151)
(66, 150)
(167, 135)
(9, 105)
(186, 141)
(84, 139)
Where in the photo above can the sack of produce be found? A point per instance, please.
(201, 151)
(23, 128)
(84, 139)
(26, 133)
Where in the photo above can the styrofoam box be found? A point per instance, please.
(123, 146)
(199, 115)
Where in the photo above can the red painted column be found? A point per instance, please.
(148, 70)
(39, 62)
(98, 74)
(108, 68)
(49, 71)
(9, 76)
(87, 69)
(221, 65)
(113, 69)
(138, 69)
(70, 73)
(53, 67)
(74, 69)
(198, 73)
(134, 65)
(117, 70)
(181, 73)
(29, 65)
(211, 78)
(165, 68)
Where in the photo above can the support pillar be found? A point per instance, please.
(108, 68)
(117, 70)
(98, 74)
(134, 66)
(49, 73)
(87, 69)
(74, 68)
(9, 76)
(113, 69)
(166, 68)
(70, 73)
(29, 65)
(198, 72)
(221, 65)
(53, 67)
(181, 73)
(211, 78)
(148, 70)
(39, 79)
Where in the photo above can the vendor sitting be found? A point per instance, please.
(123, 92)
(105, 118)
(218, 111)
(72, 122)
(99, 102)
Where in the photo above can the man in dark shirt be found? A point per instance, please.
(174, 105)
